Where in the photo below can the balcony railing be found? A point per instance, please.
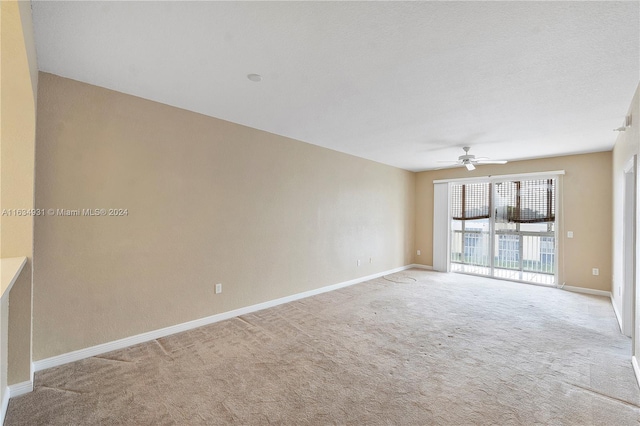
(517, 255)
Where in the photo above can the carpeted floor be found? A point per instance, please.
(441, 349)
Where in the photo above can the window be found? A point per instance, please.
(471, 209)
(473, 247)
(504, 229)
(471, 201)
(547, 252)
(508, 251)
(528, 201)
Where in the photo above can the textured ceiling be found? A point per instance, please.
(402, 83)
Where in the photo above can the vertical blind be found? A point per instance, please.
(441, 225)
(471, 201)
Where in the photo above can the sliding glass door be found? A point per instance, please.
(505, 229)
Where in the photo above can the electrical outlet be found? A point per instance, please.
(418, 252)
(218, 288)
(370, 260)
(358, 262)
(595, 271)
(569, 234)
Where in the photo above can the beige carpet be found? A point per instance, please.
(440, 349)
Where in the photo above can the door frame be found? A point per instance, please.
(442, 220)
(493, 179)
(628, 298)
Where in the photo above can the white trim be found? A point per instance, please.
(20, 388)
(11, 391)
(629, 247)
(628, 166)
(615, 311)
(587, 291)
(600, 293)
(636, 368)
(420, 266)
(5, 404)
(11, 268)
(471, 274)
(66, 358)
(553, 173)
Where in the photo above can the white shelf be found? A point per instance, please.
(10, 269)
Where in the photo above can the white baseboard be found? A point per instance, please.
(636, 368)
(5, 404)
(419, 266)
(587, 291)
(163, 332)
(598, 293)
(11, 391)
(20, 388)
(618, 317)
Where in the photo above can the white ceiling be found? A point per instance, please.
(401, 83)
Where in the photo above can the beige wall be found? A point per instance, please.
(627, 145)
(17, 142)
(208, 202)
(29, 44)
(587, 212)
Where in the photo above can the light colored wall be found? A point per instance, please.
(627, 145)
(17, 143)
(587, 212)
(29, 44)
(208, 202)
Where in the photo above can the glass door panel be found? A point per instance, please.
(524, 223)
(516, 242)
(470, 246)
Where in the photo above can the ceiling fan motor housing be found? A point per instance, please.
(470, 160)
(466, 157)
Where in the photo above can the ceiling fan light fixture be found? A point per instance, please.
(469, 160)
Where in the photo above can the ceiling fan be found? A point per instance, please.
(470, 161)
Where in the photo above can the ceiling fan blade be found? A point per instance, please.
(470, 161)
(491, 162)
